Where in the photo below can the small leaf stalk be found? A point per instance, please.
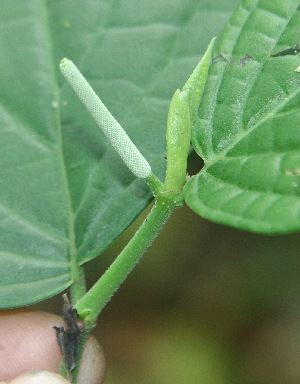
(97, 297)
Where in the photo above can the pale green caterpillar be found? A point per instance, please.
(104, 119)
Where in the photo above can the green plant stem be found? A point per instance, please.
(72, 376)
(155, 184)
(78, 287)
(90, 306)
(83, 340)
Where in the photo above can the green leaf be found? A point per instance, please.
(178, 141)
(181, 116)
(248, 130)
(64, 192)
(195, 85)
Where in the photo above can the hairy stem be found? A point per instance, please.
(97, 297)
(78, 287)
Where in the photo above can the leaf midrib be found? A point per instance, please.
(242, 134)
(74, 269)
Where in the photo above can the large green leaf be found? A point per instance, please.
(248, 132)
(64, 193)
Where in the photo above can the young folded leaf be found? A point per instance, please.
(195, 85)
(178, 141)
(182, 114)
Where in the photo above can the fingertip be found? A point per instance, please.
(28, 343)
(39, 377)
(92, 369)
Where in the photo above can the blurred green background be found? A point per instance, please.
(207, 304)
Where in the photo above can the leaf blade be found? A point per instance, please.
(65, 195)
(249, 139)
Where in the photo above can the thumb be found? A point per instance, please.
(90, 371)
(44, 377)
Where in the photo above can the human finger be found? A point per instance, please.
(28, 343)
(44, 377)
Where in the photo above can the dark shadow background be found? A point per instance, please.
(207, 304)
